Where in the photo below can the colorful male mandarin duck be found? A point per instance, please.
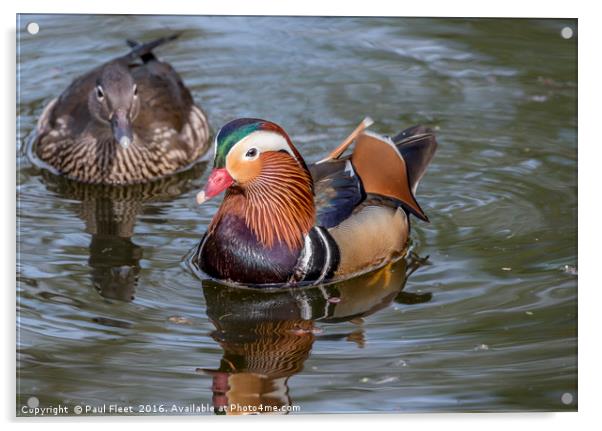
(282, 222)
(129, 120)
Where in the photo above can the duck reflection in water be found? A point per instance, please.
(114, 258)
(267, 336)
(110, 214)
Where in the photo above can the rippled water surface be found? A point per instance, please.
(108, 313)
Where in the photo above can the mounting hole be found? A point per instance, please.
(33, 28)
(566, 398)
(566, 33)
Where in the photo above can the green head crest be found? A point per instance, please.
(232, 133)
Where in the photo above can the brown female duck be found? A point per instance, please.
(284, 222)
(130, 120)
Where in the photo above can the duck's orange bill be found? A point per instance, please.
(218, 181)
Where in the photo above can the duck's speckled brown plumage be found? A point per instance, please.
(169, 132)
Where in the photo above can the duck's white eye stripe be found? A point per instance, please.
(265, 141)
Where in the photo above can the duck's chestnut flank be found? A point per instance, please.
(284, 222)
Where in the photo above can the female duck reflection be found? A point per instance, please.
(267, 336)
(110, 214)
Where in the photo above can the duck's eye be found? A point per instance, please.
(135, 90)
(100, 94)
(252, 152)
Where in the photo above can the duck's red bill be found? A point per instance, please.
(218, 181)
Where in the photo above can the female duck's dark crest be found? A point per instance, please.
(129, 120)
(281, 222)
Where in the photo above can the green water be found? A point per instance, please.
(108, 312)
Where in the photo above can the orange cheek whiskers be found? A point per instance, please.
(280, 202)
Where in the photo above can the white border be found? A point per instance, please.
(590, 144)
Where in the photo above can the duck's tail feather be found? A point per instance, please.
(144, 50)
(417, 146)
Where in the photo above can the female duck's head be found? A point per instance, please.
(114, 101)
(251, 153)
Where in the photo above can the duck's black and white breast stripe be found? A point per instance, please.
(319, 258)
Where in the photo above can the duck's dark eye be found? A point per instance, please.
(135, 90)
(251, 153)
(99, 93)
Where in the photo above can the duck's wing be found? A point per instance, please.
(166, 101)
(384, 171)
(338, 190)
(168, 116)
(380, 166)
